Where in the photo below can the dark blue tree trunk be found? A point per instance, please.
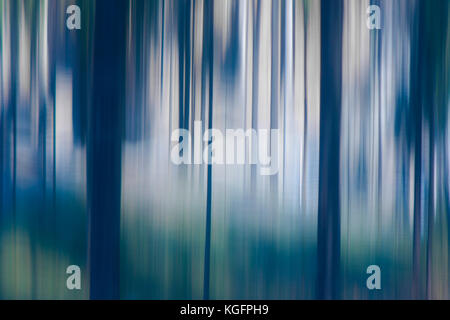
(104, 147)
(434, 98)
(328, 233)
(416, 105)
(184, 60)
(305, 81)
(207, 66)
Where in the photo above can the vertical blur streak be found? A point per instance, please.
(104, 148)
(86, 123)
(207, 63)
(417, 75)
(328, 234)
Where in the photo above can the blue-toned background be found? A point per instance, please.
(86, 175)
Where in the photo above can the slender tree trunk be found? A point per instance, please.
(416, 74)
(184, 59)
(275, 73)
(446, 189)
(446, 186)
(417, 202)
(15, 7)
(435, 99)
(34, 80)
(104, 148)
(328, 233)
(207, 66)
(2, 152)
(430, 206)
(305, 81)
(256, 8)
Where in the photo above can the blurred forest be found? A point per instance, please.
(85, 142)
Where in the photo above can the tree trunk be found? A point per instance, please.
(430, 205)
(328, 233)
(207, 66)
(305, 81)
(104, 148)
(416, 76)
